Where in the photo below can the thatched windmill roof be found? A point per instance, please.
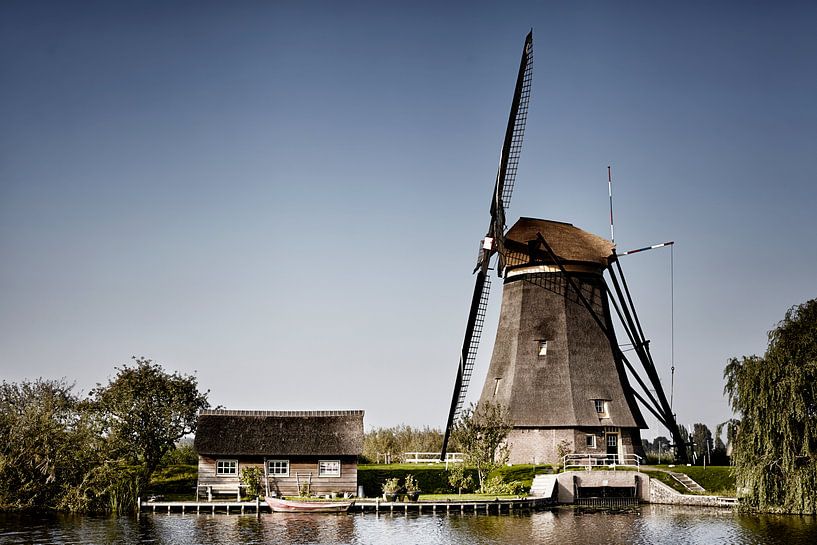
(568, 242)
(292, 433)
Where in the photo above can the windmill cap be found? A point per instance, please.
(568, 242)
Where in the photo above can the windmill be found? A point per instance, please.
(557, 366)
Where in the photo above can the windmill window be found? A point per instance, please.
(543, 348)
(278, 468)
(496, 385)
(601, 407)
(226, 468)
(329, 468)
(590, 441)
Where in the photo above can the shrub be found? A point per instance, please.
(496, 485)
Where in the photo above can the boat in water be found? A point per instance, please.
(281, 505)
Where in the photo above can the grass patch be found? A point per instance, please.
(466, 497)
(717, 480)
(665, 478)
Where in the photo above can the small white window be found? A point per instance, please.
(329, 468)
(496, 385)
(278, 468)
(226, 468)
(601, 407)
(543, 348)
(590, 441)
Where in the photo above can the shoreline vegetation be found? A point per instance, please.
(178, 482)
(100, 452)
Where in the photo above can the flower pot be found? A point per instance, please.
(412, 496)
(389, 497)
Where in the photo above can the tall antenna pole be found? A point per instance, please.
(610, 193)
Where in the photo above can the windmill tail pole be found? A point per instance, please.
(610, 193)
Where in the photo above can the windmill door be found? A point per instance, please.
(612, 448)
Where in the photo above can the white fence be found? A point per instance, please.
(432, 458)
(611, 461)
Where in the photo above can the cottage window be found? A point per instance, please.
(590, 440)
(226, 468)
(278, 468)
(543, 348)
(329, 468)
(601, 407)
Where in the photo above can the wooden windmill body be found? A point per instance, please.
(553, 368)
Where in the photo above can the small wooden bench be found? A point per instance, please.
(217, 489)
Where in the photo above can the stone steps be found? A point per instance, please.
(543, 486)
(687, 482)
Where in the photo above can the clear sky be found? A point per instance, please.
(286, 198)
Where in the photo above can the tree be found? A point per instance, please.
(702, 442)
(459, 478)
(775, 396)
(147, 410)
(480, 433)
(47, 443)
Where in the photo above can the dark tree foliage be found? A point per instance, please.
(47, 443)
(775, 396)
(147, 410)
(58, 451)
(702, 443)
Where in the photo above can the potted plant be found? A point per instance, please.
(412, 489)
(390, 489)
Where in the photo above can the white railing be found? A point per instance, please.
(432, 458)
(590, 460)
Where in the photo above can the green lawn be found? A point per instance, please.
(717, 480)
(464, 497)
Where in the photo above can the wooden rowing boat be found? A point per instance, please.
(280, 505)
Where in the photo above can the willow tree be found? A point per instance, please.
(775, 396)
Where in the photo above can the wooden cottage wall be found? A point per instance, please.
(207, 472)
(287, 486)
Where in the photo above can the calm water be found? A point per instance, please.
(654, 524)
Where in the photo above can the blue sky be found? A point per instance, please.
(286, 197)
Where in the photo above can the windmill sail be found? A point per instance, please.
(503, 188)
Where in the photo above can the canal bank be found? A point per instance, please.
(596, 488)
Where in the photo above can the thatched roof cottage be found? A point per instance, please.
(318, 449)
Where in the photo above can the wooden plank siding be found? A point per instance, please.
(286, 486)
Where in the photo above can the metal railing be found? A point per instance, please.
(590, 460)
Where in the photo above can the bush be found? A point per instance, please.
(496, 485)
(182, 454)
(177, 479)
(431, 480)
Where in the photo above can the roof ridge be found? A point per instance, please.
(226, 412)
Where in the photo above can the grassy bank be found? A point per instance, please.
(717, 480)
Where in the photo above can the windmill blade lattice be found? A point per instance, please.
(505, 180)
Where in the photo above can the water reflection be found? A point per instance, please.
(651, 524)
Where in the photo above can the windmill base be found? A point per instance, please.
(547, 445)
